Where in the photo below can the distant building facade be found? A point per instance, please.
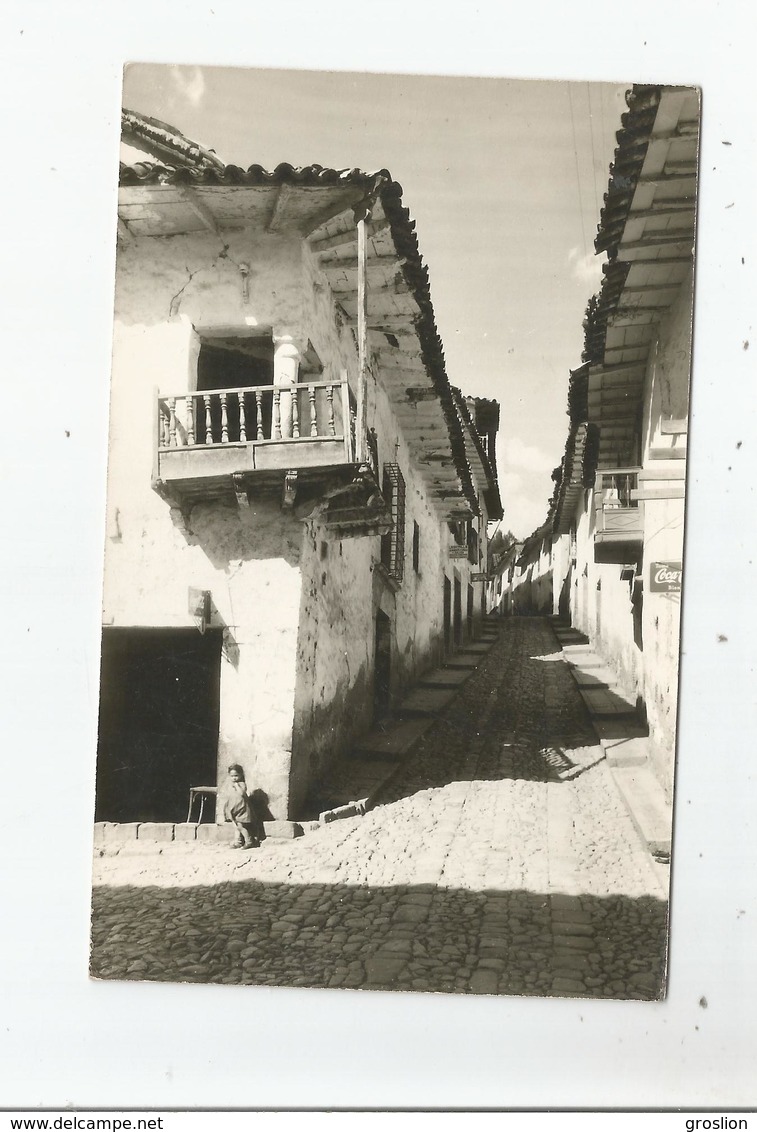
(610, 558)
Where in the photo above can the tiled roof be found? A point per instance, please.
(633, 140)
(166, 142)
(490, 490)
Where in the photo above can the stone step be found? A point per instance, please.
(584, 660)
(427, 701)
(627, 752)
(393, 740)
(600, 677)
(617, 730)
(460, 661)
(573, 652)
(444, 678)
(649, 809)
(476, 647)
(606, 702)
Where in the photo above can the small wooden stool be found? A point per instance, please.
(203, 792)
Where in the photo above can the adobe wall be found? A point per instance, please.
(601, 604)
(343, 589)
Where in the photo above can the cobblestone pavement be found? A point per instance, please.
(484, 870)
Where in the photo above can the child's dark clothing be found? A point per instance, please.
(237, 808)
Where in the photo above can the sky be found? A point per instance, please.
(505, 180)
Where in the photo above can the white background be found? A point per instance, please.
(66, 1040)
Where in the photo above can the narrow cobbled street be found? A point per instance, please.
(501, 860)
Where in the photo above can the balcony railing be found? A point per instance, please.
(262, 414)
(619, 528)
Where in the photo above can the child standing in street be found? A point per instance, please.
(237, 808)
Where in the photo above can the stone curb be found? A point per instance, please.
(647, 813)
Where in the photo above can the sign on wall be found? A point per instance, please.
(665, 577)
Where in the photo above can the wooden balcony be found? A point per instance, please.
(296, 439)
(619, 516)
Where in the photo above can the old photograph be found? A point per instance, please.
(394, 538)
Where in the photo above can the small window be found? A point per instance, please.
(472, 540)
(416, 548)
(393, 543)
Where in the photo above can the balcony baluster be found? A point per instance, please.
(190, 407)
(259, 414)
(208, 420)
(242, 419)
(330, 401)
(276, 431)
(224, 420)
(313, 413)
(172, 422)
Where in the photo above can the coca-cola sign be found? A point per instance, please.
(665, 577)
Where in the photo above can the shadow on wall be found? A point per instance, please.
(229, 534)
(382, 938)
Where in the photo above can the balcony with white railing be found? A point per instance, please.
(619, 525)
(300, 439)
(205, 437)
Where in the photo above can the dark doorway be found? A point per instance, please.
(159, 711)
(458, 613)
(234, 363)
(382, 679)
(447, 614)
(469, 613)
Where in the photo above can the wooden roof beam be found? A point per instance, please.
(350, 263)
(200, 209)
(125, 232)
(383, 289)
(680, 168)
(652, 287)
(616, 369)
(349, 236)
(663, 210)
(657, 240)
(668, 176)
(276, 218)
(669, 261)
(622, 349)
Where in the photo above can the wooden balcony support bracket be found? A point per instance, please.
(240, 490)
(290, 491)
